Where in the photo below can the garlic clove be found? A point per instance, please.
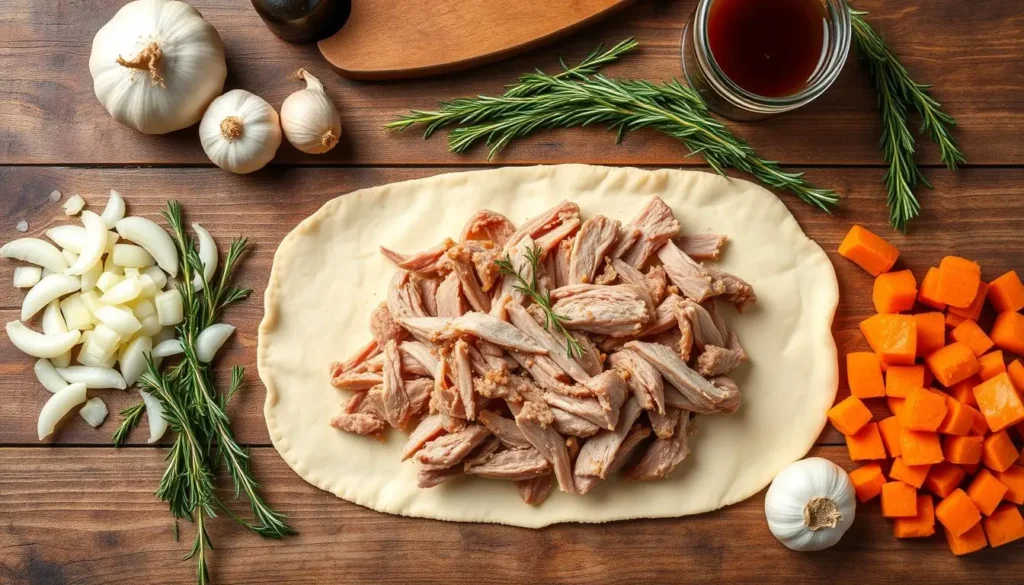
(310, 121)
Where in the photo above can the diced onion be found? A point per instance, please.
(69, 237)
(169, 308)
(69, 257)
(92, 301)
(107, 281)
(39, 345)
(153, 238)
(53, 320)
(155, 414)
(143, 308)
(48, 289)
(111, 267)
(112, 239)
(48, 376)
(93, 358)
(63, 360)
(151, 325)
(210, 340)
(35, 251)
(76, 314)
(118, 319)
(57, 407)
(132, 256)
(105, 339)
(207, 254)
(149, 288)
(167, 348)
(91, 275)
(114, 210)
(122, 292)
(73, 205)
(93, 377)
(92, 248)
(94, 412)
(158, 276)
(27, 276)
(133, 359)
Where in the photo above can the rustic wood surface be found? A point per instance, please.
(74, 510)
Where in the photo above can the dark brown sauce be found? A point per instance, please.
(768, 47)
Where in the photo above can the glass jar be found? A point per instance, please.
(732, 101)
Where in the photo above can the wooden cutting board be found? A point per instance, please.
(385, 39)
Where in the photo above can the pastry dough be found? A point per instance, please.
(328, 275)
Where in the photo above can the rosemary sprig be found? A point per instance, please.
(130, 418)
(580, 96)
(530, 288)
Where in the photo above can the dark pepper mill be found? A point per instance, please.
(303, 21)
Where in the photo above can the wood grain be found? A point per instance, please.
(970, 51)
(979, 202)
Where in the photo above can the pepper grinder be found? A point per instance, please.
(303, 21)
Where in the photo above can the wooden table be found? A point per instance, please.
(75, 510)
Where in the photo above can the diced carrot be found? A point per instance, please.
(957, 512)
(971, 541)
(962, 449)
(1016, 373)
(892, 337)
(943, 478)
(973, 310)
(910, 474)
(894, 292)
(1007, 332)
(923, 410)
(959, 279)
(963, 390)
(889, 428)
(952, 320)
(900, 380)
(998, 452)
(899, 500)
(980, 427)
(969, 334)
(867, 481)
(929, 291)
(867, 250)
(986, 492)
(866, 444)
(971, 469)
(1013, 479)
(931, 332)
(920, 447)
(1005, 525)
(864, 373)
(849, 416)
(959, 420)
(999, 401)
(1006, 293)
(896, 406)
(992, 364)
(920, 526)
(953, 363)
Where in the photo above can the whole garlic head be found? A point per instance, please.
(810, 504)
(240, 132)
(309, 119)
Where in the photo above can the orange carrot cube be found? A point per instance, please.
(868, 250)
(971, 541)
(889, 428)
(900, 380)
(849, 416)
(962, 450)
(929, 291)
(986, 492)
(959, 280)
(864, 373)
(1008, 332)
(1013, 479)
(959, 418)
(999, 401)
(1006, 293)
(992, 364)
(896, 406)
(943, 478)
(1005, 525)
(923, 410)
(921, 525)
(892, 337)
(931, 332)
(909, 474)
(957, 512)
(920, 447)
(866, 444)
(953, 320)
(894, 292)
(953, 363)
(899, 500)
(867, 481)
(980, 427)
(963, 390)
(973, 310)
(998, 452)
(969, 334)
(1016, 372)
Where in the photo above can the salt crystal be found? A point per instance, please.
(22, 226)
(55, 195)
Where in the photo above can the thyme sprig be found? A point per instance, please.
(531, 288)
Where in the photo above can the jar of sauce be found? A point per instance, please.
(750, 59)
(303, 21)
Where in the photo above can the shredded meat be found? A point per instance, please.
(562, 219)
(404, 297)
(424, 262)
(449, 300)
(693, 386)
(396, 401)
(736, 290)
(663, 425)
(637, 434)
(451, 449)
(482, 325)
(570, 425)
(483, 255)
(417, 358)
(718, 361)
(430, 428)
(431, 477)
(643, 379)
(702, 325)
(701, 246)
(558, 268)
(664, 455)
(534, 491)
(504, 429)
(464, 377)
(358, 423)
(459, 259)
(665, 316)
(694, 281)
(619, 311)
(555, 347)
(549, 443)
(597, 453)
(364, 353)
(657, 283)
(630, 275)
(488, 225)
(595, 239)
(511, 465)
(656, 225)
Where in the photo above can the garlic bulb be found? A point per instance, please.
(240, 132)
(157, 65)
(309, 119)
(810, 504)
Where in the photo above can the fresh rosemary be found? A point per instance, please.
(530, 288)
(195, 410)
(897, 93)
(579, 96)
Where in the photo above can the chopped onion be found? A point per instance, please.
(105, 339)
(207, 254)
(92, 301)
(112, 239)
(92, 248)
(210, 340)
(94, 412)
(118, 319)
(69, 237)
(169, 308)
(133, 359)
(35, 251)
(91, 275)
(114, 211)
(151, 325)
(153, 238)
(167, 348)
(27, 276)
(73, 205)
(149, 288)
(93, 377)
(89, 356)
(57, 407)
(132, 256)
(122, 292)
(63, 360)
(76, 313)
(111, 267)
(107, 281)
(48, 376)
(53, 320)
(158, 276)
(39, 345)
(48, 289)
(69, 257)
(155, 413)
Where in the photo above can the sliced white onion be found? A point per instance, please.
(92, 301)
(110, 266)
(48, 376)
(94, 412)
(88, 357)
(118, 319)
(207, 254)
(167, 348)
(149, 288)
(158, 276)
(48, 289)
(112, 239)
(57, 407)
(164, 334)
(69, 237)
(114, 211)
(73, 205)
(105, 339)
(153, 238)
(130, 272)
(63, 360)
(107, 281)
(133, 359)
(92, 248)
(53, 319)
(75, 312)
(169, 308)
(27, 276)
(35, 251)
(69, 257)
(155, 414)
(38, 345)
(132, 256)
(210, 340)
(122, 292)
(151, 325)
(93, 377)
(91, 275)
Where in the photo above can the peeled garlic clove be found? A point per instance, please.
(35, 251)
(309, 119)
(114, 211)
(153, 238)
(93, 377)
(46, 290)
(57, 407)
(207, 254)
(93, 246)
(211, 339)
(155, 414)
(38, 345)
(240, 132)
